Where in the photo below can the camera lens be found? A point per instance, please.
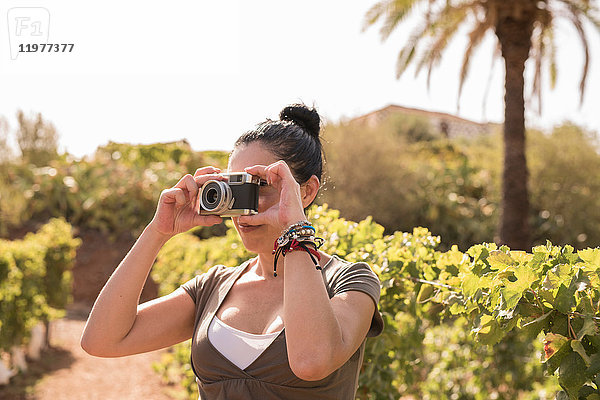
(212, 196)
(215, 197)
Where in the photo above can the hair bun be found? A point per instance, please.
(307, 118)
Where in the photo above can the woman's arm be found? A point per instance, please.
(321, 333)
(117, 326)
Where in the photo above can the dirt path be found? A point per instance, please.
(67, 372)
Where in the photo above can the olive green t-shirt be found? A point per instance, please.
(270, 376)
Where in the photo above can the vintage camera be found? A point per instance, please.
(236, 195)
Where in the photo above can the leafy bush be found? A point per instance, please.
(21, 287)
(37, 139)
(141, 156)
(431, 299)
(400, 173)
(34, 280)
(60, 250)
(563, 180)
(403, 183)
(13, 204)
(452, 187)
(552, 290)
(115, 193)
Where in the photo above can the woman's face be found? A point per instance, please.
(256, 238)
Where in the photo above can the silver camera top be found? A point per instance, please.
(239, 178)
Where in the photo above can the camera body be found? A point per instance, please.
(235, 195)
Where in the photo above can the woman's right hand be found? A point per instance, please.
(177, 210)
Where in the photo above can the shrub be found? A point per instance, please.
(432, 299)
(34, 280)
(115, 193)
(402, 183)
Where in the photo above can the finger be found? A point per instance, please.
(174, 195)
(256, 219)
(279, 174)
(207, 220)
(282, 170)
(258, 170)
(188, 184)
(202, 179)
(207, 170)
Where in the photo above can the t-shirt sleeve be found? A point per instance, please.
(359, 277)
(192, 287)
(195, 286)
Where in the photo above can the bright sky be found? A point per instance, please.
(149, 71)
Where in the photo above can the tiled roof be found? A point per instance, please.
(447, 124)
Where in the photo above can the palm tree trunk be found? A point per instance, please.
(514, 34)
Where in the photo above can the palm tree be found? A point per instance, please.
(523, 29)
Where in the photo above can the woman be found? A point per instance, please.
(298, 333)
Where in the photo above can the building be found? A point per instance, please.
(447, 125)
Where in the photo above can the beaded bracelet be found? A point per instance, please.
(295, 231)
(297, 224)
(298, 236)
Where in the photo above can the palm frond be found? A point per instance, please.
(537, 52)
(373, 14)
(433, 55)
(541, 39)
(442, 29)
(495, 57)
(405, 56)
(409, 50)
(551, 57)
(440, 24)
(475, 38)
(443, 18)
(587, 9)
(577, 20)
(393, 12)
(443, 37)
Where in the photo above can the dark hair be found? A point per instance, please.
(294, 139)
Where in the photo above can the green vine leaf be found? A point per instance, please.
(578, 347)
(589, 328)
(499, 260)
(565, 301)
(594, 366)
(571, 374)
(590, 256)
(488, 332)
(556, 347)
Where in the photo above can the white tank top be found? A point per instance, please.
(239, 347)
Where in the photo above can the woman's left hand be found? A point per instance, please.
(289, 209)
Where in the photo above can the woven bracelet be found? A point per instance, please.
(301, 244)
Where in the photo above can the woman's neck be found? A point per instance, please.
(264, 265)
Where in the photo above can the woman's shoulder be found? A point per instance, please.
(213, 277)
(341, 274)
(338, 266)
(221, 273)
